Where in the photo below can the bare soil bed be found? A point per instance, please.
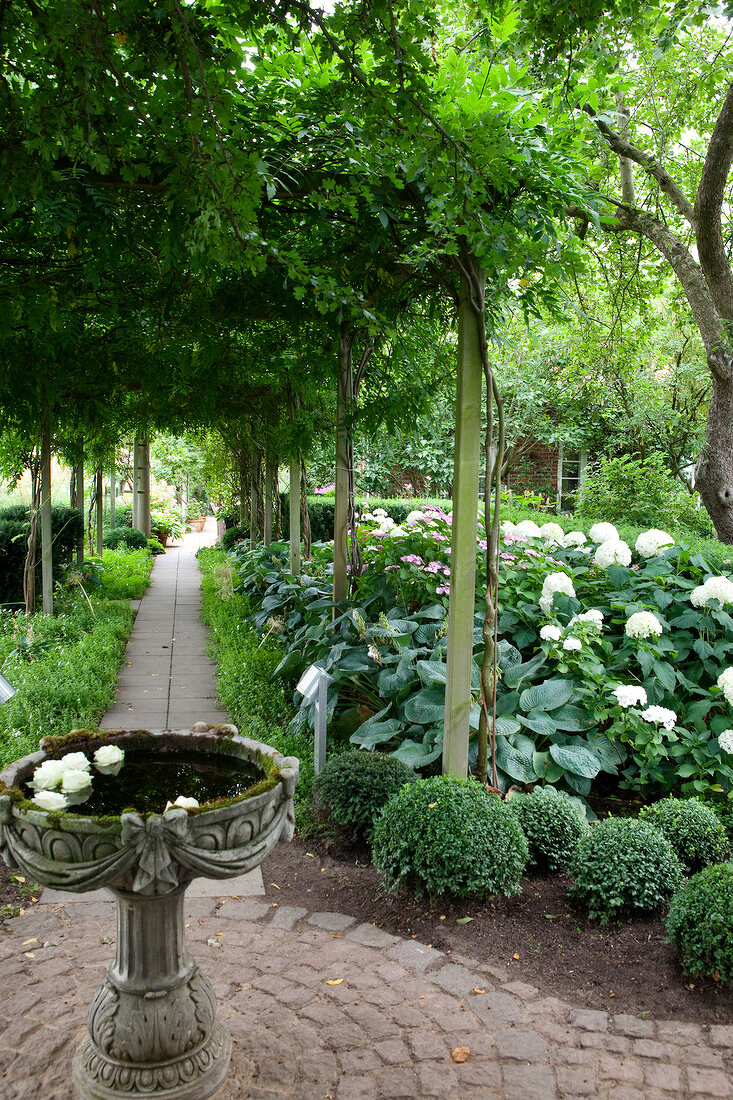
(537, 936)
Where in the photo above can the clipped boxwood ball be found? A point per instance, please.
(552, 825)
(354, 787)
(622, 868)
(700, 924)
(449, 836)
(129, 536)
(692, 828)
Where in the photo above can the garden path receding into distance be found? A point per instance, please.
(319, 1005)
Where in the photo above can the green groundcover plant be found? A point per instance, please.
(446, 836)
(624, 868)
(699, 924)
(258, 703)
(63, 667)
(616, 660)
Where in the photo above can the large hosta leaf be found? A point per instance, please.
(505, 725)
(546, 696)
(426, 706)
(432, 672)
(415, 755)
(392, 680)
(577, 759)
(517, 765)
(376, 733)
(539, 721)
(572, 719)
(513, 677)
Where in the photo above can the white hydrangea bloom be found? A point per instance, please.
(643, 624)
(555, 582)
(528, 528)
(699, 597)
(603, 532)
(574, 538)
(629, 696)
(550, 633)
(714, 588)
(660, 716)
(552, 532)
(593, 616)
(725, 683)
(612, 553)
(725, 740)
(507, 526)
(50, 800)
(416, 517)
(572, 643)
(649, 543)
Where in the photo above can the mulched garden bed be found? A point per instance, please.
(536, 937)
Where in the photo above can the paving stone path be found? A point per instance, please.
(385, 1028)
(319, 1006)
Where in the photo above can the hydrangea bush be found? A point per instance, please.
(606, 667)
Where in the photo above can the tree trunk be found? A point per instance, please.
(243, 483)
(29, 568)
(99, 494)
(714, 473)
(254, 498)
(269, 482)
(295, 515)
(113, 493)
(46, 535)
(304, 514)
(141, 516)
(469, 384)
(341, 502)
(79, 505)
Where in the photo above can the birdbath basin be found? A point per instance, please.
(152, 1027)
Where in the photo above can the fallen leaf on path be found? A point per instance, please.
(477, 990)
(334, 981)
(464, 920)
(26, 942)
(460, 1054)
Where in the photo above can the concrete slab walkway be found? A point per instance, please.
(167, 682)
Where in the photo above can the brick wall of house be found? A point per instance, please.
(536, 471)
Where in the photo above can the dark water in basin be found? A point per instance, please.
(147, 781)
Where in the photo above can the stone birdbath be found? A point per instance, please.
(152, 1027)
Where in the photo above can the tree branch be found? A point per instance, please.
(691, 278)
(626, 150)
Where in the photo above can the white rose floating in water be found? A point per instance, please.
(108, 759)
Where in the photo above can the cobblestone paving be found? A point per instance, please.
(386, 1030)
